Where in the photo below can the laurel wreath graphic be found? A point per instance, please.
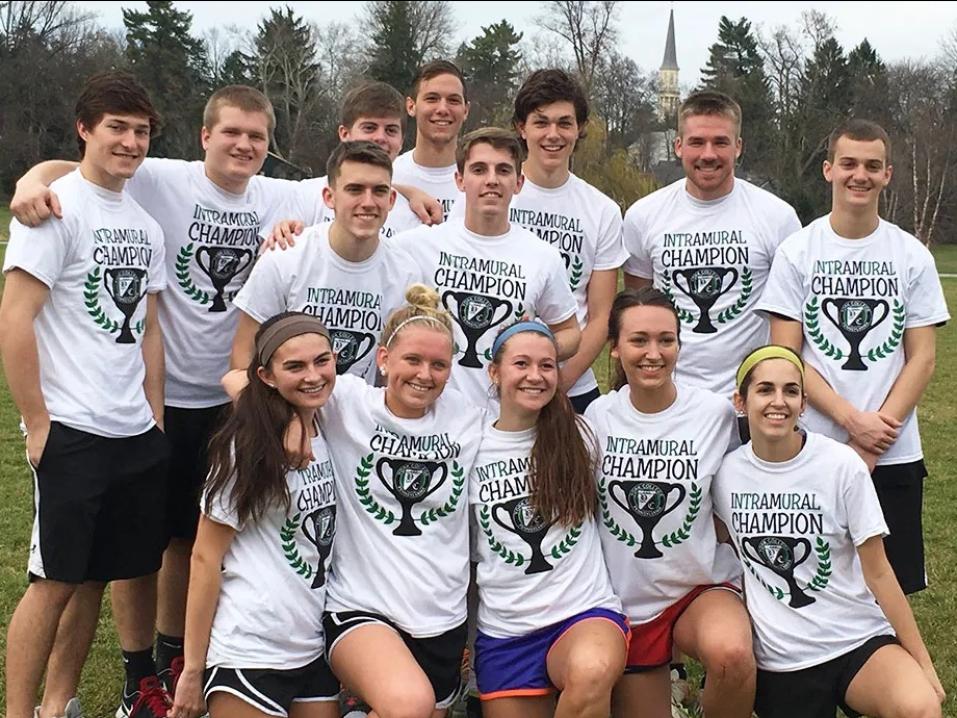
(365, 496)
(91, 298)
(774, 590)
(576, 274)
(812, 320)
(684, 533)
(684, 315)
(735, 309)
(564, 547)
(894, 340)
(606, 518)
(287, 535)
(183, 278)
(510, 557)
(821, 577)
(519, 312)
(458, 484)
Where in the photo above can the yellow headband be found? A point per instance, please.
(771, 351)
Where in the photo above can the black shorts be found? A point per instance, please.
(188, 431)
(274, 691)
(580, 402)
(814, 692)
(439, 657)
(900, 489)
(100, 506)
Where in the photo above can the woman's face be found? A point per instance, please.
(647, 347)
(527, 373)
(302, 370)
(774, 399)
(416, 367)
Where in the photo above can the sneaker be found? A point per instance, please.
(169, 677)
(72, 709)
(351, 706)
(150, 701)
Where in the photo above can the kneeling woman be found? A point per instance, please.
(832, 626)
(547, 619)
(257, 579)
(662, 445)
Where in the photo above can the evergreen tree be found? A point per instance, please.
(868, 82)
(490, 63)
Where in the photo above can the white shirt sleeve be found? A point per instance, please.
(860, 504)
(157, 268)
(43, 251)
(926, 305)
(264, 293)
(610, 252)
(556, 302)
(784, 292)
(640, 262)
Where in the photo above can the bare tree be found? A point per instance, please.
(783, 54)
(590, 29)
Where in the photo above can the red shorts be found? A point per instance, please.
(652, 643)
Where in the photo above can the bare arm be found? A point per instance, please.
(212, 541)
(636, 283)
(154, 359)
(23, 297)
(882, 582)
(920, 349)
(567, 337)
(244, 345)
(426, 207)
(601, 293)
(33, 202)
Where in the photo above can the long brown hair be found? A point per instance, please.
(247, 457)
(564, 460)
(626, 299)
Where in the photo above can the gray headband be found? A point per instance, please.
(284, 329)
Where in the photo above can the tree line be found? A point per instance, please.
(794, 85)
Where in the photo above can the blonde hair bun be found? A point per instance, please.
(422, 297)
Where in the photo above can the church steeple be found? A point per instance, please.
(668, 96)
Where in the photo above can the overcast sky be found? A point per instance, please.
(897, 29)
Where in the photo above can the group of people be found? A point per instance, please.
(283, 418)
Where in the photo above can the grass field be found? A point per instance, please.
(936, 608)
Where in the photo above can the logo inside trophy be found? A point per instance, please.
(221, 265)
(780, 554)
(475, 314)
(410, 483)
(126, 287)
(524, 520)
(350, 347)
(704, 286)
(647, 503)
(320, 528)
(855, 318)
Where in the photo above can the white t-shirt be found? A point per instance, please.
(306, 204)
(212, 237)
(269, 613)
(855, 298)
(713, 259)
(439, 182)
(100, 261)
(403, 546)
(585, 226)
(654, 490)
(487, 283)
(353, 299)
(542, 575)
(805, 518)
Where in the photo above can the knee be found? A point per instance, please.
(731, 660)
(592, 676)
(919, 704)
(412, 701)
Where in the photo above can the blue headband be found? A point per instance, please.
(518, 328)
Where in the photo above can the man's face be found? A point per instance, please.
(384, 131)
(551, 132)
(489, 181)
(361, 198)
(115, 148)
(236, 144)
(439, 108)
(708, 147)
(858, 173)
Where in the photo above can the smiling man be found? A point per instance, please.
(861, 299)
(707, 241)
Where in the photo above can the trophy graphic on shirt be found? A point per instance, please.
(705, 285)
(855, 318)
(524, 521)
(126, 287)
(647, 503)
(567, 258)
(322, 524)
(779, 553)
(350, 347)
(222, 264)
(410, 482)
(475, 314)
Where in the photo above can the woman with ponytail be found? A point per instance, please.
(253, 645)
(395, 620)
(662, 443)
(548, 619)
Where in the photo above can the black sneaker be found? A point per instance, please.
(150, 701)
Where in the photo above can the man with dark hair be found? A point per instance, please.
(861, 300)
(439, 103)
(708, 240)
(83, 355)
(340, 271)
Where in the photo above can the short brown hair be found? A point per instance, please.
(242, 97)
(372, 99)
(710, 102)
(861, 131)
(361, 151)
(498, 138)
(434, 69)
(544, 87)
(117, 93)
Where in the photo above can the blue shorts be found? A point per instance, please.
(515, 667)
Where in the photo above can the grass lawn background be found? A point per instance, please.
(935, 608)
